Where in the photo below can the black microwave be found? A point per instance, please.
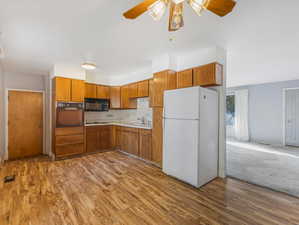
(96, 105)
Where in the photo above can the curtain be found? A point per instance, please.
(241, 115)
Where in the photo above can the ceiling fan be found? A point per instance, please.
(157, 8)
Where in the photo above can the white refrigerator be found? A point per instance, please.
(190, 135)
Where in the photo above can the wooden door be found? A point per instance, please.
(25, 124)
(157, 135)
(145, 144)
(102, 92)
(185, 78)
(115, 98)
(91, 138)
(77, 91)
(90, 90)
(62, 89)
(143, 89)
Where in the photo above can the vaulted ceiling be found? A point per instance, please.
(260, 36)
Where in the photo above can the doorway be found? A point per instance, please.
(291, 119)
(25, 124)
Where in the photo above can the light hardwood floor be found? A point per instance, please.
(112, 188)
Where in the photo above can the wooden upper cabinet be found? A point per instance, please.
(208, 75)
(151, 92)
(133, 90)
(62, 89)
(103, 92)
(90, 90)
(77, 91)
(185, 78)
(164, 80)
(143, 89)
(171, 82)
(126, 101)
(115, 98)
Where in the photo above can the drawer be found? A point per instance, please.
(69, 131)
(130, 129)
(70, 139)
(66, 150)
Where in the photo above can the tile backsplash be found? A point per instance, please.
(143, 111)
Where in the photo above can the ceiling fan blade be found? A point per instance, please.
(138, 9)
(176, 20)
(219, 7)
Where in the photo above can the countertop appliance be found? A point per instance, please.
(69, 114)
(96, 105)
(190, 135)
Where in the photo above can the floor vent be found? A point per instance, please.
(8, 179)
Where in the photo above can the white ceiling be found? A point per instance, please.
(260, 36)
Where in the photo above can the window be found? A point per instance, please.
(230, 110)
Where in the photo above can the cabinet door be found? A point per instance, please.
(105, 138)
(208, 75)
(91, 139)
(159, 85)
(102, 92)
(133, 90)
(185, 78)
(143, 88)
(151, 92)
(115, 97)
(145, 144)
(77, 91)
(171, 82)
(130, 143)
(90, 90)
(63, 89)
(118, 141)
(157, 136)
(126, 101)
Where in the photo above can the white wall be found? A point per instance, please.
(68, 70)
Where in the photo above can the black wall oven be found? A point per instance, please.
(96, 105)
(69, 114)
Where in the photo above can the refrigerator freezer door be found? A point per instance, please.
(180, 149)
(182, 103)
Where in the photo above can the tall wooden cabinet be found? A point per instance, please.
(157, 135)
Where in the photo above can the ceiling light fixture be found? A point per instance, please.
(89, 66)
(178, 1)
(157, 10)
(196, 5)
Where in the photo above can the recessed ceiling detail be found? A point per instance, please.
(157, 8)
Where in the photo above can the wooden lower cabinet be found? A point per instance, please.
(129, 140)
(157, 135)
(99, 138)
(145, 144)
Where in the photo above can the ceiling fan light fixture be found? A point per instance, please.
(89, 66)
(177, 1)
(197, 6)
(157, 10)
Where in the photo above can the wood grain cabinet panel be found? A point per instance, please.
(185, 78)
(77, 91)
(62, 88)
(105, 138)
(157, 135)
(115, 98)
(103, 92)
(171, 82)
(126, 101)
(143, 89)
(130, 140)
(151, 92)
(145, 144)
(90, 90)
(208, 75)
(68, 150)
(133, 90)
(118, 140)
(91, 138)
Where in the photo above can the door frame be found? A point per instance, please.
(284, 90)
(6, 117)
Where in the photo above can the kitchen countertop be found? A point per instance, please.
(119, 123)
